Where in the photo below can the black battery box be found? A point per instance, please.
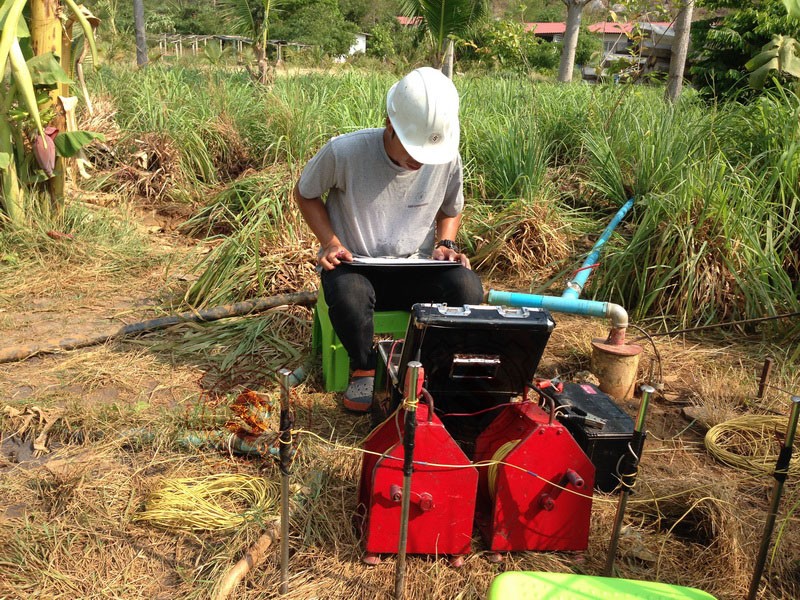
(601, 428)
(475, 357)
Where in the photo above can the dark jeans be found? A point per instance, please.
(354, 293)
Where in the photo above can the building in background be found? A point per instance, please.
(628, 48)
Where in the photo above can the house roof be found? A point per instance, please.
(409, 21)
(603, 27)
(662, 29)
(611, 28)
(545, 28)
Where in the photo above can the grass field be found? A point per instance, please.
(189, 208)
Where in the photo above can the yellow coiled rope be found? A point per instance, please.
(750, 443)
(497, 458)
(215, 502)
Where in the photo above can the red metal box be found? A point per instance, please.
(443, 489)
(540, 497)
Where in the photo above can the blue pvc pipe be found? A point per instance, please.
(574, 306)
(569, 302)
(575, 287)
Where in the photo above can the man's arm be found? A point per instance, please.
(447, 229)
(316, 216)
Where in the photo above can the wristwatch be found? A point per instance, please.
(449, 244)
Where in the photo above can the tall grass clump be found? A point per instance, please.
(643, 147)
(754, 131)
(562, 112)
(510, 158)
(295, 115)
(710, 238)
(305, 111)
(193, 127)
(699, 253)
(521, 243)
(255, 195)
(263, 253)
(771, 147)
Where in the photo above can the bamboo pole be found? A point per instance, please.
(17, 353)
(780, 474)
(628, 468)
(414, 376)
(255, 555)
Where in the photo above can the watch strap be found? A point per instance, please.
(449, 244)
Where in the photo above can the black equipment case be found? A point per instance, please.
(475, 357)
(601, 428)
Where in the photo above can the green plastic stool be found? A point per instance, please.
(529, 585)
(335, 360)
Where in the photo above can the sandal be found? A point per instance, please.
(358, 396)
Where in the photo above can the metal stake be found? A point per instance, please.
(630, 463)
(762, 384)
(409, 431)
(781, 471)
(284, 452)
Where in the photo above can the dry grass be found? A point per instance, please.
(154, 173)
(67, 526)
(523, 241)
(696, 530)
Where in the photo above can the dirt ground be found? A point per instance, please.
(66, 514)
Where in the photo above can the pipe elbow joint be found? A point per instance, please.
(618, 316)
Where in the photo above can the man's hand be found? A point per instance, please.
(333, 255)
(443, 253)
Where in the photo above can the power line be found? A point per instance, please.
(717, 325)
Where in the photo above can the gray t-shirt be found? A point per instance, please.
(377, 208)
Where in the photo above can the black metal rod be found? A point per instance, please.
(409, 433)
(630, 464)
(284, 453)
(780, 474)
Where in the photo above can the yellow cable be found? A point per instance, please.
(488, 463)
(496, 460)
(477, 465)
(214, 502)
(750, 443)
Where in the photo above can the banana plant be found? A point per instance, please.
(26, 107)
(781, 54)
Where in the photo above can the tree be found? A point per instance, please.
(680, 49)
(250, 18)
(504, 45)
(368, 13)
(393, 42)
(317, 23)
(443, 19)
(529, 11)
(197, 19)
(588, 48)
(141, 36)
(574, 10)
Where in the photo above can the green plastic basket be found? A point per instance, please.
(527, 585)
